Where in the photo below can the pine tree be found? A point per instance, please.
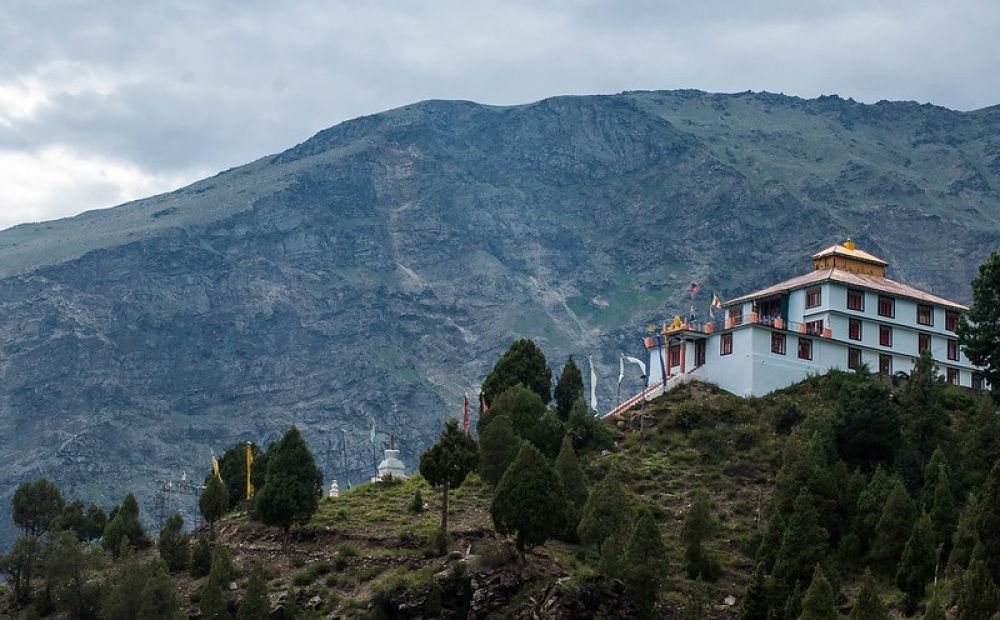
(979, 328)
(868, 606)
(498, 446)
(699, 524)
(521, 405)
(916, 567)
(201, 558)
(805, 544)
(65, 565)
(233, 471)
(893, 528)
(35, 506)
(447, 463)
(125, 529)
(254, 605)
(522, 363)
(870, 504)
(569, 388)
(922, 412)
(978, 597)
(943, 511)
(158, 600)
(213, 602)
(585, 429)
(966, 536)
(645, 562)
(609, 511)
(988, 523)
(817, 604)
(574, 484)
(610, 563)
(293, 484)
(121, 594)
(173, 545)
(529, 501)
(756, 602)
(213, 501)
(793, 604)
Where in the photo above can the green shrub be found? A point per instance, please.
(490, 554)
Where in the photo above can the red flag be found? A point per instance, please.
(483, 407)
(694, 288)
(465, 414)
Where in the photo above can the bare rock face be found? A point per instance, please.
(378, 269)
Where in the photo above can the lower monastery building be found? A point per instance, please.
(842, 314)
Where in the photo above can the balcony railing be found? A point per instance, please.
(709, 327)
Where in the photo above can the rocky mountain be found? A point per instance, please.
(378, 268)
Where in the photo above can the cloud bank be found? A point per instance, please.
(101, 103)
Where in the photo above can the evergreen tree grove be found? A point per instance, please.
(988, 523)
(804, 544)
(293, 484)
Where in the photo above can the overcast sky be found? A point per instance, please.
(104, 102)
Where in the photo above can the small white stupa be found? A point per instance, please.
(334, 489)
(391, 467)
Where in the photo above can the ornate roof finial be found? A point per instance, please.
(849, 244)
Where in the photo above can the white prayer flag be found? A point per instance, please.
(621, 368)
(636, 361)
(593, 384)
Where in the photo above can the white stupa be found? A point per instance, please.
(391, 467)
(334, 489)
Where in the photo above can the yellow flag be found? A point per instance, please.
(249, 468)
(215, 466)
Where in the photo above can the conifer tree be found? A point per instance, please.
(213, 501)
(585, 429)
(943, 511)
(610, 562)
(979, 328)
(158, 600)
(870, 504)
(699, 524)
(893, 528)
(521, 405)
(233, 471)
(793, 604)
(447, 463)
(569, 388)
(988, 523)
(978, 597)
(254, 605)
(522, 363)
(805, 544)
(574, 484)
(923, 415)
(609, 512)
(293, 484)
(35, 506)
(868, 606)
(201, 558)
(125, 528)
(121, 594)
(645, 562)
(817, 604)
(498, 446)
(213, 602)
(173, 545)
(529, 501)
(937, 461)
(966, 536)
(934, 611)
(916, 566)
(66, 564)
(756, 603)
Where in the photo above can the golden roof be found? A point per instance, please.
(848, 250)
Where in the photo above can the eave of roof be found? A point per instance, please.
(875, 283)
(856, 254)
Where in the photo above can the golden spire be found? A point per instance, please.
(849, 244)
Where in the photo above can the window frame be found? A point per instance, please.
(853, 352)
(808, 348)
(953, 376)
(726, 344)
(851, 323)
(815, 328)
(953, 350)
(921, 338)
(891, 301)
(814, 297)
(777, 338)
(886, 359)
(861, 299)
(700, 352)
(885, 336)
(951, 320)
(736, 314)
(928, 311)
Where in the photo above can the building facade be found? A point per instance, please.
(843, 314)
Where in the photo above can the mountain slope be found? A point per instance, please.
(376, 269)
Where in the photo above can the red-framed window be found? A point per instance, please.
(814, 297)
(951, 320)
(855, 300)
(885, 335)
(886, 306)
(953, 350)
(726, 344)
(884, 364)
(853, 358)
(854, 329)
(777, 343)
(674, 355)
(953, 376)
(925, 315)
(736, 315)
(815, 328)
(924, 343)
(805, 349)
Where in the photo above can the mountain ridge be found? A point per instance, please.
(376, 269)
